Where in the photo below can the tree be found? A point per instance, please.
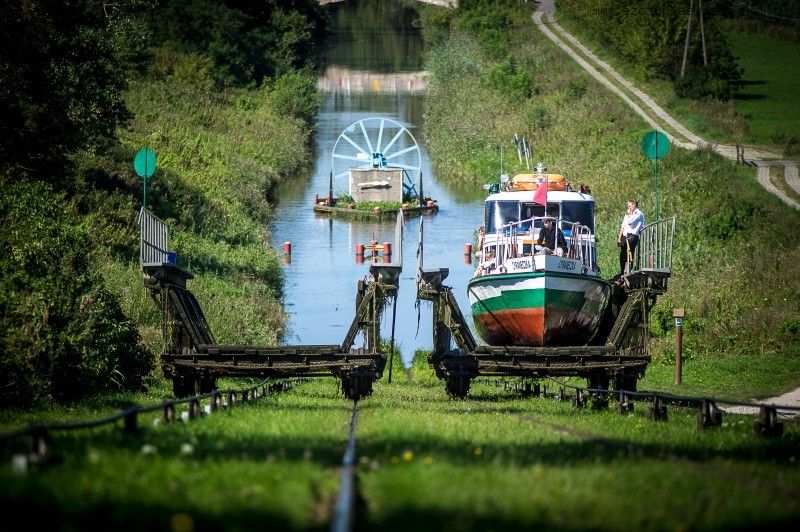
(62, 84)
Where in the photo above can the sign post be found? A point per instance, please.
(144, 163)
(655, 146)
(678, 314)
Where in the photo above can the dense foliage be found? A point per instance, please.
(61, 84)
(61, 331)
(650, 35)
(222, 91)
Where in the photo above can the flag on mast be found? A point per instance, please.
(540, 196)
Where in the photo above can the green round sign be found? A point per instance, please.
(655, 145)
(145, 163)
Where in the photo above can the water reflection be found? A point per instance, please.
(320, 281)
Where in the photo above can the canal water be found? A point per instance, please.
(372, 61)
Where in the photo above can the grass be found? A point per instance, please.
(770, 98)
(497, 461)
(715, 121)
(267, 462)
(494, 461)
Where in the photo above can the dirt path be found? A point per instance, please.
(654, 114)
(788, 399)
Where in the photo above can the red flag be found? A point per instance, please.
(540, 196)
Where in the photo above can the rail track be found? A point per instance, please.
(345, 510)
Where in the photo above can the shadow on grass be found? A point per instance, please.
(40, 510)
(426, 519)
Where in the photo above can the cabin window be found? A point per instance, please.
(530, 210)
(499, 213)
(578, 211)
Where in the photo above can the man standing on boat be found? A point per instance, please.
(632, 225)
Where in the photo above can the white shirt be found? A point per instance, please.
(632, 224)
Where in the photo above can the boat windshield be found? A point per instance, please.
(578, 211)
(531, 210)
(499, 213)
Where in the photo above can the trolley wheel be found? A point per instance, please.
(183, 384)
(355, 386)
(458, 385)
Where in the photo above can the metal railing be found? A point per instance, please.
(153, 239)
(579, 245)
(654, 251)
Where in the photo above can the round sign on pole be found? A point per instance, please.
(655, 145)
(145, 163)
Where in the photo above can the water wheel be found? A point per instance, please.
(378, 142)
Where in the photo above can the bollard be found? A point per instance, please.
(387, 249)
(40, 442)
(287, 248)
(625, 404)
(579, 401)
(169, 413)
(194, 409)
(658, 412)
(131, 425)
(708, 415)
(678, 314)
(767, 423)
(468, 249)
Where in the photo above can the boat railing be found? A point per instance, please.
(580, 243)
(654, 251)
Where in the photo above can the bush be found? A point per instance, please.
(295, 94)
(62, 334)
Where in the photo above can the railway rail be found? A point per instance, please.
(344, 512)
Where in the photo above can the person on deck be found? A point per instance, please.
(548, 236)
(628, 239)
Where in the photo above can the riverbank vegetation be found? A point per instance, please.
(735, 246)
(223, 94)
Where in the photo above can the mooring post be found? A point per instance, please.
(678, 314)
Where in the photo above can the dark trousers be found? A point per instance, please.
(629, 241)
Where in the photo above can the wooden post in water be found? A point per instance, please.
(678, 314)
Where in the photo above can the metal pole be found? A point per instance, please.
(330, 189)
(391, 344)
(678, 314)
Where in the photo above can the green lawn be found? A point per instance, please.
(426, 462)
(770, 98)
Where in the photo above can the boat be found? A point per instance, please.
(524, 294)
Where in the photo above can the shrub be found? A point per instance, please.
(62, 334)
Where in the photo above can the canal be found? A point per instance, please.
(372, 63)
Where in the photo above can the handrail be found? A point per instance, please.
(654, 251)
(579, 243)
(153, 239)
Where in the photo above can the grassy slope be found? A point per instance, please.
(770, 100)
(220, 153)
(764, 114)
(735, 246)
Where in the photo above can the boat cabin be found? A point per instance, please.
(513, 223)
